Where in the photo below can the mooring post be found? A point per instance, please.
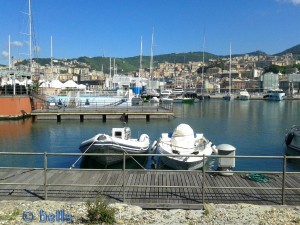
(58, 118)
(81, 118)
(103, 118)
(147, 117)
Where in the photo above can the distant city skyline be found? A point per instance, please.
(114, 28)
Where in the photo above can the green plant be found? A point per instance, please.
(98, 211)
(11, 216)
(206, 209)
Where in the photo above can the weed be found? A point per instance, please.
(206, 209)
(98, 211)
(11, 216)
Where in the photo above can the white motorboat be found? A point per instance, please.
(118, 143)
(178, 90)
(166, 96)
(183, 148)
(243, 95)
(274, 95)
(292, 140)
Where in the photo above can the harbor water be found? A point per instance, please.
(254, 128)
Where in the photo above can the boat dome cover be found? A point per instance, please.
(183, 139)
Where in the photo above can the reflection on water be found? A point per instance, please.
(253, 127)
(136, 162)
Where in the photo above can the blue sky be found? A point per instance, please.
(114, 27)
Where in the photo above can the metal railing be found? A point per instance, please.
(106, 106)
(204, 185)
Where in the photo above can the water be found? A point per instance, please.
(254, 127)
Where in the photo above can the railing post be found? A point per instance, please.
(45, 176)
(203, 179)
(283, 180)
(124, 168)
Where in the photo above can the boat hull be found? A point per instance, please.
(244, 97)
(112, 146)
(292, 141)
(183, 157)
(181, 163)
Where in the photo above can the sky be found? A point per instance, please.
(114, 28)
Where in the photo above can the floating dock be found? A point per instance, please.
(148, 188)
(104, 113)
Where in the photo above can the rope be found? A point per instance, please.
(129, 156)
(73, 165)
(260, 178)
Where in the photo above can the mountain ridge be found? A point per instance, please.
(132, 63)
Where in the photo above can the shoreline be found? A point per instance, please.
(12, 212)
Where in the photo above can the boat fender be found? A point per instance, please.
(154, 145)
(289, 138)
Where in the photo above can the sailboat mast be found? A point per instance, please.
(30, 36)
(151, 59)
(230, 69)
(141, 58)
(9, 62)
(202, 76)
(51, 52)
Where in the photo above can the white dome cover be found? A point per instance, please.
(183, 139)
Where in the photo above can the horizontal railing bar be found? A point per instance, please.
(150, 154)
(29, 184)
(86, 185)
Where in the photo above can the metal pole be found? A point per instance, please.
(124, 168)
(283, 180)
(203, 179)
(45, 176)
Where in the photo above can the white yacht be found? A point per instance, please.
(274, 95)
(178, 90)
(243, 95)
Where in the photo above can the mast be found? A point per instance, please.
(51, 53)
(203, 44)
(110, 79)
(9, 62)
(151, 59)
(30, 37)
(230, 69)
(141, 58)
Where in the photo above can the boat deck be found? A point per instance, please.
(148, 188)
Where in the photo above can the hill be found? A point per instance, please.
(130, 64)
(294, 50)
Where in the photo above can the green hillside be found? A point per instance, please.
(294, 50)
(131, 64)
